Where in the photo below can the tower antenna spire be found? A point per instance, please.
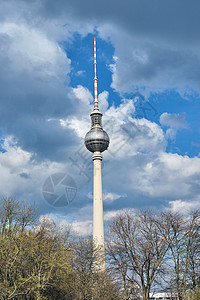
(96, 107)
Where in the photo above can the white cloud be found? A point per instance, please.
(22, 177)
(125, 110)
(83, 95)
(175, 122)
(82, 228)
(111, 197)
(80, 122)
(128, 135)
(80, 73)
(79, 227)
(80, 126)
(184, 206)
(185, 165)
(167, 175)
(30, 50)
(131, 136)
(109, 215)
(108, 197)
(103, 101)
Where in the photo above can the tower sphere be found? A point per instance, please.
(96, 139)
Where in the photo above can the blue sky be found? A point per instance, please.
(148, 68)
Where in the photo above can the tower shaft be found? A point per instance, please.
(98, 224)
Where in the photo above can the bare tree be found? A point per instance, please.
(194, 252)
(182, 239)
(137, 250)
(9, 208)
(90, 283)
(16, 216)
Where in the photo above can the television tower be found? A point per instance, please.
(97, 141)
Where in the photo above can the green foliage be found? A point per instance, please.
(40, 260)
(197, 294)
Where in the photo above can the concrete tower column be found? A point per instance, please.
(98, 223)
(97, 141)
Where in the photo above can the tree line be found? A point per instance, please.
(144, 253)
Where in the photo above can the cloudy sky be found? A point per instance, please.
(148, 55)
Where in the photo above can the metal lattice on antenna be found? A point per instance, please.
(95, 76)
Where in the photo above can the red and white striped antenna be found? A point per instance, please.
(95, 76)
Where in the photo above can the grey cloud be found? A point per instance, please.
(157, 67)
(30, 95)
(166, 20)
(24, 175)
(172, 19)
(166, 32)
(46, 140)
